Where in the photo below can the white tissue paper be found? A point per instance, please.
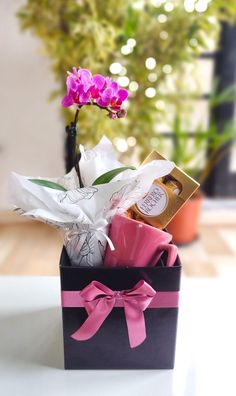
(85, 213)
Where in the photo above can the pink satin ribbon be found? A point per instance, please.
(99, 300)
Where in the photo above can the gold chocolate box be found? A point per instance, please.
(166, 195)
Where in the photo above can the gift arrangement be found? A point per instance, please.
(120, 272)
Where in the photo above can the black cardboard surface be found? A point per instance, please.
(109, 348)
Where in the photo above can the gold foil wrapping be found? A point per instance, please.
(165, 197)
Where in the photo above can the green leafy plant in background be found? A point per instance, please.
(148, 45)
(199, 153)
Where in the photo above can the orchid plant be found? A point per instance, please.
(85, 89)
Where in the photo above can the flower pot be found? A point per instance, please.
(184, 226)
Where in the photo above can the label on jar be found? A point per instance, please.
(154, 203)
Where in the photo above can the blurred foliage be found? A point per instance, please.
(91, 33)
(189, 150)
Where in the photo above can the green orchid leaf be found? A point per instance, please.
(47, 183)
(108, 176)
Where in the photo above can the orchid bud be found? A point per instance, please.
(111, 115)
(121, 113)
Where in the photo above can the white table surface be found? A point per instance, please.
(31, 355)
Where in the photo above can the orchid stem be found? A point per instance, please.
(77, 155)
(76, 116)
(103, 108)
(73, 131)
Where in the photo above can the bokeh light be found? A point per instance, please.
(162, 18)
(131, 140)
(164, 35)
(138, 5)
(152, 77)
(115, 68)
(123, 71)
(126, 50)
(157, 3)
(121, 144)
(189, 5)
(167, 69)
(169, 6)
(150, 63)
(131, 42)
(201, 6)
(123, 81)
(150, 92)
(133, 86)
(160, 104)
(193, 42)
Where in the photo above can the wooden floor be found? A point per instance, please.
(33, 248)
(29, 248)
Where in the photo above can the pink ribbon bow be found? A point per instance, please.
(99, 301)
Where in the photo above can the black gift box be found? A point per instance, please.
(109, 348)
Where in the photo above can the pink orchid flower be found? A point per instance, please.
(83, 88)
(98, 85)
(78, 85)
(112, 96)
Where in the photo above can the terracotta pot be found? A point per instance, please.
(184, 226)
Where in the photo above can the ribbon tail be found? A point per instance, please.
(109, 241)
(135, 324)
(94, 321)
